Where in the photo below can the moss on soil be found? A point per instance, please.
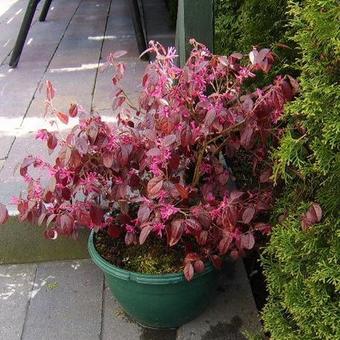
(153, 257)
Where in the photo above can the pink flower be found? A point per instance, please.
(154, 168)
(90, 182)
(112, 143)
(15, 200)
(130, 228)
(158, 228)
(167, 210)
(42, 134)
(244, 73)
(206, 168)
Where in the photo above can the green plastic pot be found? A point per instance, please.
(158, 301)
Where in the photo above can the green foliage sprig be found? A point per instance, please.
(302, 263)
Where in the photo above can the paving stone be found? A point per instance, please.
(11, 15)
(230, 313)
(16, 282)
(5, 141)
(66, 302)
(116, 324)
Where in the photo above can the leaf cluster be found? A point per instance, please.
(162, 171)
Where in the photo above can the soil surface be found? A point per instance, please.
(153, 257)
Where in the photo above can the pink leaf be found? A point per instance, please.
(202, 238)
(253, 56)
(246, 136)
(114, 231)
(312, 216)
(50, 90)
(82, 145)
(66, 224)
(188, 271)
(52, 141)
(183, 192)
(96, 214)
(224, 244)
(248, 215)
(143, 213)
(118, 102)
(316, 211)
(154, 186)
(264, 228)
(175, 231)
(235, 196)
(247, 241)
(265, 176)
(3, 214)
(51, 234)
(52, 184)
(168, 140)
(145, 233)
(154, 152)
(50, 219)
(93, 132)
(73, 110)
(63, 117)
(108, 159)
(41, 218)
(191, 257)
(216, 261)
(209, 118)
(118, 54)
(199, 266)
(129, 238)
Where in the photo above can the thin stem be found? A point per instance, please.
(198, 165)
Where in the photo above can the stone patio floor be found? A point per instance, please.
(69, 300)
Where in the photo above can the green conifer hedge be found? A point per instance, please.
(302, 265)
(244, 24)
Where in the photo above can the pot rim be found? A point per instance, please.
(124, 274)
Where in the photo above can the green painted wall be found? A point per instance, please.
(195, 19)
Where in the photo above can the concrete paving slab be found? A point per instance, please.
(232, 311)
(104, 90)
(5, 144)
(11, 15)
(116, 324)
(66, 302)
(16, 282)
(11, 183)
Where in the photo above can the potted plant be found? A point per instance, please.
(156, 189)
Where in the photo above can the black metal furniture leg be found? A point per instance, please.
(25, 26)
(45, 9)
(138, 26)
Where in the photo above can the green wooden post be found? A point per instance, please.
(195, 19)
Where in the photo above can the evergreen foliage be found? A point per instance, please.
(302, 265)
(240, 25)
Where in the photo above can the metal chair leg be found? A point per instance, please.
(25, 26)
(45, 9)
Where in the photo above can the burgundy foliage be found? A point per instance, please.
(162, 170)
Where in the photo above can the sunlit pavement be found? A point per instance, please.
(69, 49)
(69, 300)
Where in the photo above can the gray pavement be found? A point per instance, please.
(70, 301)
(69, 50)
